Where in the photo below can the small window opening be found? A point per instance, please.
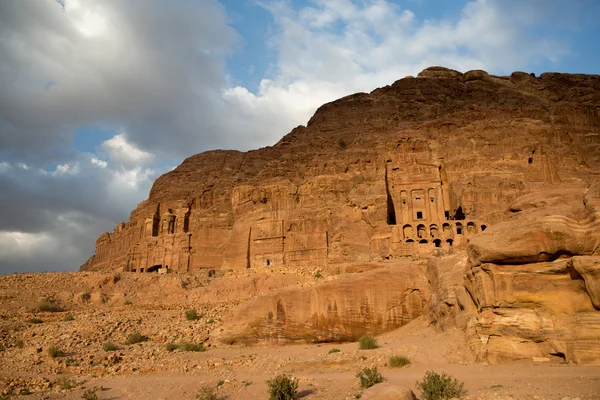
(447, 214)
(449, 241)
(483, 228)
(530, 160)
(419, 215)
(437, 242)
(268, 262)
(432, 200)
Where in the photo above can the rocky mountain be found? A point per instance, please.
(470, 199)
(411, 169)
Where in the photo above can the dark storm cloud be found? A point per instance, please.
(154, 68)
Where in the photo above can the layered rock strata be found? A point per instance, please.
(412, 169)
(530, 285)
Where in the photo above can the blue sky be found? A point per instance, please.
(98, 99)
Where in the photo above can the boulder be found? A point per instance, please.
(385, 391)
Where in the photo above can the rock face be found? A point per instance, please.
(491, 179)
(412, 169)
(342, 310)
(530, 286)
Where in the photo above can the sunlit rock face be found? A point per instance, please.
(530, 286)
(411, 169)
(476, 192)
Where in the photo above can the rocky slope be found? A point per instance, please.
(468, 198)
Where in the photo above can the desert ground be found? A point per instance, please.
(107, 308)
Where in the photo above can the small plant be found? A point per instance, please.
(369, 377)
(35, 320)
(282, 387)
(220, 383)
(20, 344)
(109, 346)
(54, 352)
(68, 317)
(136, 338)
(496, 387)
(65, 383)
(47, 306)
(210, 321)
(128, 302)
(440, 387)
(171, 346)
(185, 346)
(318, 275)
(90, 394)
(191, 315)
(334, 351)
(367, 342)
(398, 361)
(70, 361)
(207, 393)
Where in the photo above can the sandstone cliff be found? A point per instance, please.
(412, 169)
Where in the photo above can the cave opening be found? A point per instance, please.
(459, 215)
(154, 268)
(391, 212)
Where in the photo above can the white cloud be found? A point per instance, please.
(120, 149)
(338, 47)
(102, 164)
(66, 169)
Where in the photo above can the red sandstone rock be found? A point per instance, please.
(371, 176)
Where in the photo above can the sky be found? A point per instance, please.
(99, 98)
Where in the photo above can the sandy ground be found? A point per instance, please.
(333, 376)
(101, 314)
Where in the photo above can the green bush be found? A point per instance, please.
(369, 377)
(48, 306)
(207, 393)
(136, 338)
(191, 315)
(367, 342)
(68, 317)
(90, 394)
(65, 383)
(398, 361)
(440, 387)
(128, 302)
(109, 346)
(282, 387)
(171, 346)
(334, 351)
(54, 352)
(185, 346)
(35, 320)
(20, 344)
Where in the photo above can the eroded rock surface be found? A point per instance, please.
(411, 169)
(339, 310)
(491, 179)
(530, 287)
